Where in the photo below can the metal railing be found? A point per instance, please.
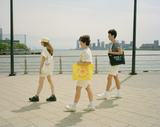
(63, 64)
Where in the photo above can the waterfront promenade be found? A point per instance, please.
(140, 105)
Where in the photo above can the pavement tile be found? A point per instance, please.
(9, 125)
(157, 125)
(2, 108)
(149, 114)
(140, 105)
(18, 122)
(41, 122)
(3, 122)
(151, 120)
(110, 122)
(130, 115)
(7, 114)
(136, 123)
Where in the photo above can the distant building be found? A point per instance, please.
(147, 46)
(9, 41)
(128, 46)
(98, 44)
(77, 44)
(94, 45)
(122, 44)
(90, 45)
(1, 34)
(108, 46)
(102, 45)
(156, 44)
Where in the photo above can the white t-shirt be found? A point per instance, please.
(46, 54)
(87, 56)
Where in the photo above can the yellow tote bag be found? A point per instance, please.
(82, 72)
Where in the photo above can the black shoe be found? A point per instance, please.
(51, 98)
(34, 99)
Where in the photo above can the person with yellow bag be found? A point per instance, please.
(85, 59)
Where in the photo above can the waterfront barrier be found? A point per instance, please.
(21, 53)
(63, 64)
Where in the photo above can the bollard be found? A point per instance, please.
(25, 66)
(60, 66)
(96, 71)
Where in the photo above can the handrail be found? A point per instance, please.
(16, 56)
(64, 63)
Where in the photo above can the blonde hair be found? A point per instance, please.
(49, 47)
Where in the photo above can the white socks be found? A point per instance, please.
(119, 91)
(91, 104)
(37, 95)
(52, 94)
(106, 92)
(74, 104)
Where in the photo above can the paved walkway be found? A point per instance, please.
(140, 105)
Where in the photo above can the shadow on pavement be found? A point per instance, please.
(33, 106)
(71, 120)
(106, 104)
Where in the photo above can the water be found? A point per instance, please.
(33, 62)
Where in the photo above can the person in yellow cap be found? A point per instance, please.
(46, 54)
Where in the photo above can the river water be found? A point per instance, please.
(33, 61)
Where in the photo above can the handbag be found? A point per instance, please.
(47, 66)
(82, 72)
(116, 59)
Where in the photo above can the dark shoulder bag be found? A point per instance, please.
(116, 59)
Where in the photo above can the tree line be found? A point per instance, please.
(17, 46)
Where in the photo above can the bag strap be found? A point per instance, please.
(81, 57)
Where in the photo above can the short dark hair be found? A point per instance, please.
(113, 32)
(85, 38)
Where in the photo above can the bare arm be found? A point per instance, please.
(83, 63)
(42, 62)
(116, 53)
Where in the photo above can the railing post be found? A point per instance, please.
(25, 66)
(60, 66)
(96, 71)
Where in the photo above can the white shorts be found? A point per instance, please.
(45, 74)
(83, 83)
(113, 70)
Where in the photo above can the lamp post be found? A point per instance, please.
(134, 39)
(12, 38)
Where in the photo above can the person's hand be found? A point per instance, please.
(109, 51)
(40, 71)
(78, 62)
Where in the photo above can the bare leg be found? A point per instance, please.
(50, 80)
(90, 94)
(78, 94)
(117, 82)
(41, 81)
(109, 83)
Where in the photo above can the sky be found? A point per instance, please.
(64, 21)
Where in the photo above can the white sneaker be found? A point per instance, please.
(70, 108)
(89, 108)
(103, 95)
(118, 95)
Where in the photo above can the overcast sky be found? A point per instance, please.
(64, 21)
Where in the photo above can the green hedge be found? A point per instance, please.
(6, 46)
